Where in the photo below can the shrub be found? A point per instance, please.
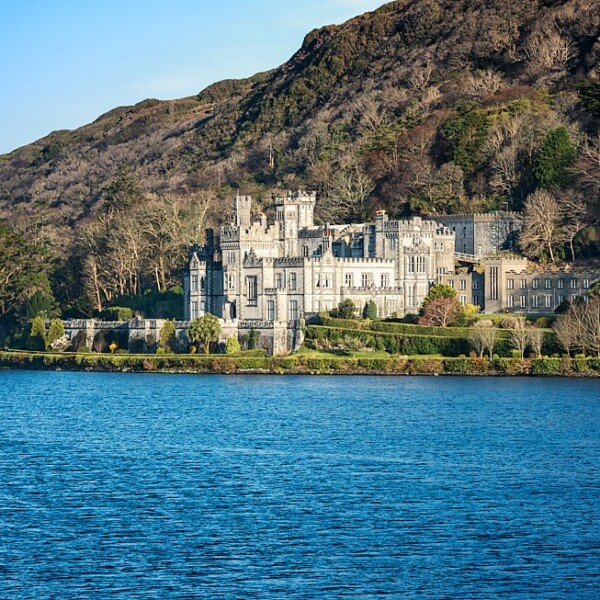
(116, 313)
(457, 365)
(37, 336)
(580, 364)
(233, 346)
(370, 310)
(167, 339)
(55, 331)
(546, 366)
(253, 337)
(346, 310)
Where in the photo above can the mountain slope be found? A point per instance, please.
(422, 105)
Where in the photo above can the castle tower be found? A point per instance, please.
(294, 212)
(242, 207)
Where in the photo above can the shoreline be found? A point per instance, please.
(223, 364)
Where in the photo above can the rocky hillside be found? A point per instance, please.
(421, 106)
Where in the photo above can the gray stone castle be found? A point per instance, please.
(282, 272)
(255, 274)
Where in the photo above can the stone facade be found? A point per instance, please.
(512, 284)
(481, 235)
(272, 276)
(142, 335)
(283, 271)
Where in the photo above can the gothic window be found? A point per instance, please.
(384, 280)
(202, 283)
(365, 279)
(278, 281)
(251, 291)
(293, 281)
(349, 280)
(523, 301)
(194, 283)
(270, 310)
(420, 264)
(410, 264)
(523, 284)
(510, 284)
(293, 310)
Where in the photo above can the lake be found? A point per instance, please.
(177, 486)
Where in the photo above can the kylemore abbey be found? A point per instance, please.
(254, 274)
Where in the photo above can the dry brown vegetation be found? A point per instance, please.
(424, 106)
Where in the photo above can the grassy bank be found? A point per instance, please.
(308, 363)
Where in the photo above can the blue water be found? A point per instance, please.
(160, 486)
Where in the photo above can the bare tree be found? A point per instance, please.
(591, 326)
(536, 340)
(484, 82)
(541, 231)
(586, 171)
(575, 217)
(346, 196)
(483, 336)
(519, 335)
(567, 333)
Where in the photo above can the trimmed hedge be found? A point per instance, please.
(393, 343)
(401, 365)
(503, 346)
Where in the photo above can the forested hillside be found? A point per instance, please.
(423, 106)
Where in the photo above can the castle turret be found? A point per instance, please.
(294, 212)
(241, 210)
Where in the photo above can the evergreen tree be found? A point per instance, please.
(557, 153)
(55, 331)
(37, 335)
(370, 310)
(167, 341)
(233, 346)
(346, 310)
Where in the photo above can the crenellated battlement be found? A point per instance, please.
(289, 261)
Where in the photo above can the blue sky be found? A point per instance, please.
(65, 62)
